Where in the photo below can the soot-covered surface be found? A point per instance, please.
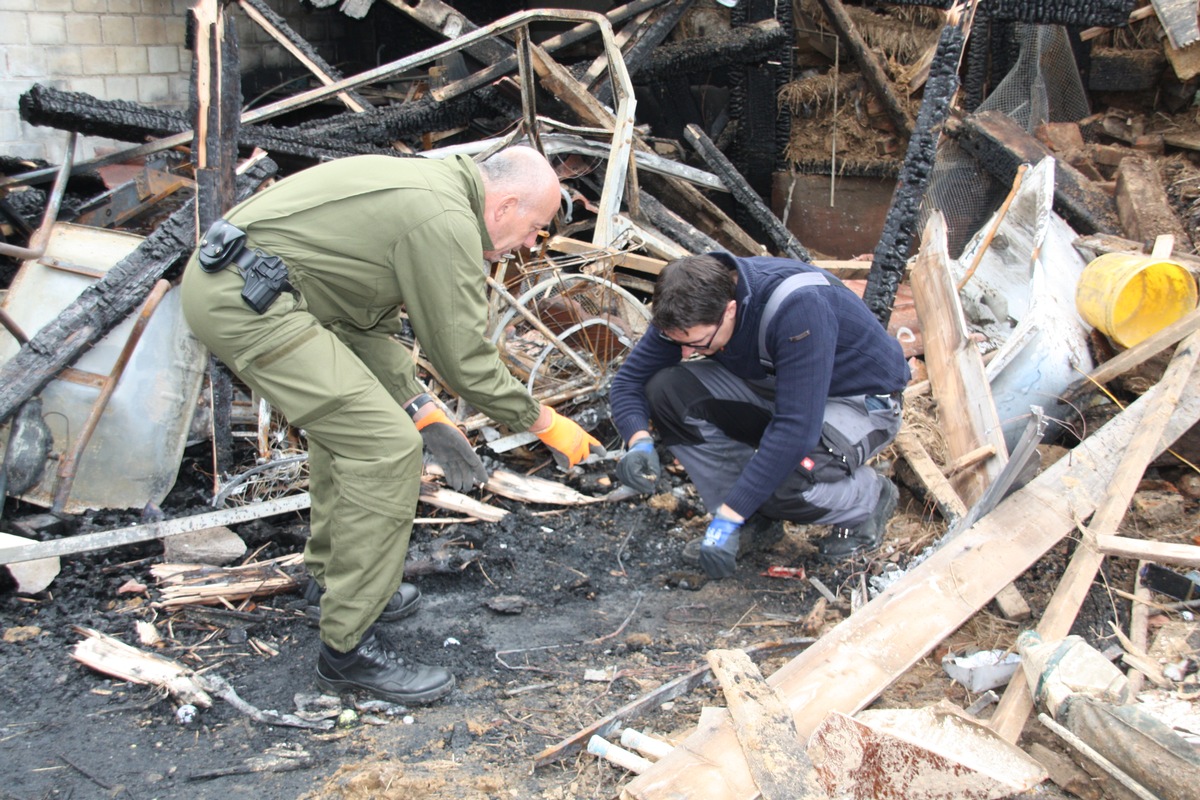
(598, 587)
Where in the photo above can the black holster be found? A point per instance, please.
(265, 275)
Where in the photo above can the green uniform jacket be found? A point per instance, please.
(367, 236)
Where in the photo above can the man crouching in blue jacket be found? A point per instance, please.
(799, 385)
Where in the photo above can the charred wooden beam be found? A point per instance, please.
(130, 122)
(216, 109)
(785, 242)
(1076, 13)
(278, 28)
(680, 230)
(385, 124)
(1000, 145)
(868, 62)
(642, 50)
(576, 34)
(891, 255)
(761, 133)
(104, 304)
(746, 44)
(440, 18)
(112, 119)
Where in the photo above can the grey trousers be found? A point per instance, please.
(712, 421)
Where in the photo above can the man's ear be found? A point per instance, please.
(507, 205)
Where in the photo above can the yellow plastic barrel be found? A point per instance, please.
(1131, 297)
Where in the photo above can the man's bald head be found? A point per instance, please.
(521, 196)
(519, 170)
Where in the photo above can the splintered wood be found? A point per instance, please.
(111, 656)
(191, 584)
(856, 660)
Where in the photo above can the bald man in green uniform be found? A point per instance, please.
(304, 308)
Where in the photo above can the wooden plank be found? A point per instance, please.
(780, 766)
(1001, 146)
(856, 660)
(1017, 703)
(1012, 605)
(1100, 243)
(1142, 204)
(956, 372)
(1178, 18)
(1138, 354)
(443, 19)
(633, 261)
(1181, 555)
(103, 540)
(785, 242)
(868, 62)
(1185, 61)
(944, 495)
(1139, 626)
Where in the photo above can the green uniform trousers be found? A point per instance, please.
(364, 451)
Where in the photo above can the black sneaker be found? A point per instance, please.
(758, 533)
(404, 602)
(376, 668)
(842, 543)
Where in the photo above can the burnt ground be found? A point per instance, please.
(598, 588)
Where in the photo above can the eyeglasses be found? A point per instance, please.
(693, 345)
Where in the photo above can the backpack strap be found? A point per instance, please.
(776, 298)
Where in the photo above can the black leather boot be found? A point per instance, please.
(842, 542)
(404, 602)
(376, 668)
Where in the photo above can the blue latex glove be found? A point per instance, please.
(639, 468)
(718, 552)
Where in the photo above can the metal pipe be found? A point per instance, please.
(37, 242)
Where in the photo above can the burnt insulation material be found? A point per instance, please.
(130, 122)
(891, 254)
(1077, 13)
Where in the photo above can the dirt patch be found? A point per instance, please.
(607, 612)
(601, 591)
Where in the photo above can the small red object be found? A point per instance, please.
(784, 572)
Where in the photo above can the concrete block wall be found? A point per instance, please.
(123, 50)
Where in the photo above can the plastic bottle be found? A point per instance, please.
(1063, 667)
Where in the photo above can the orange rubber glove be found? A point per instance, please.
(569, 443)
(461, 466)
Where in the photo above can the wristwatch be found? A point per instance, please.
(417, 403)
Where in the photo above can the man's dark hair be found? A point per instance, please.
(690, 291)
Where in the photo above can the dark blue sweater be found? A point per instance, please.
(824, 342)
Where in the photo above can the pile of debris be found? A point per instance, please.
(1007, 189)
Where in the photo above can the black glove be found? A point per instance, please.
(452, 451)
(718, 552)
(639, 467)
